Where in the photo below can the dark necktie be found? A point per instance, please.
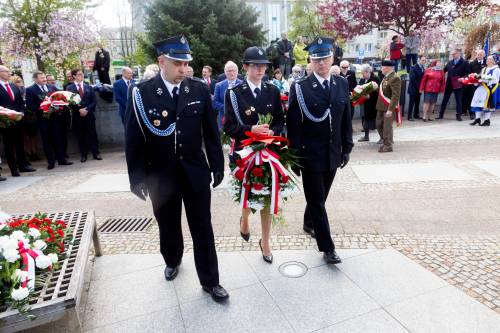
(257, 92)
(175, 96)
(325, 84)
(128, 84)
(9, 91)
(80, 90)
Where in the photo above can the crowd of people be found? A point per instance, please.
(20, 139)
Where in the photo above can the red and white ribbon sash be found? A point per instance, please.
(387, 102)
(28, 255)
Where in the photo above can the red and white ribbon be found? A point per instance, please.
(387, 102)
(28, 255)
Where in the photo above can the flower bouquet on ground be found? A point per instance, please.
(472, 78)
(360, 93)
(8, 117)
(28, 248)
(261, 172)
(56, 101)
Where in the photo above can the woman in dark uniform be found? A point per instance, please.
(243, 104)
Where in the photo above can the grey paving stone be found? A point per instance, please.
(322, 297)
(113, 182)
(133, 294)
(249, 309)
(12, 185)
(389, 277)
(234, 272)
(445, 310)
(166, 320)
(310, 258)
(377, 321)
(109, 266)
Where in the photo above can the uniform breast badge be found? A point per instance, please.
(159, 91)
(252, 109)
(248, 112)
(186, 90)
(156, 122)
(164, 113)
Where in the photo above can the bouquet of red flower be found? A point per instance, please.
(27, 246)
(359, 93)
(56, 101)
(8, 116)
(261, 173)
(472, 78)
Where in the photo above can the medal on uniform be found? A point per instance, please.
(186, 89)
(314, 84)
(252, 109)
(159, 91)
(164, 113)
(248, 112)
(156, 122)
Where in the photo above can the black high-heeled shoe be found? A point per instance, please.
(246, 237)
(269, 258)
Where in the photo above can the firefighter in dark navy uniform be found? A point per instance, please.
(167, 119)
(320, 130)
(243, 105)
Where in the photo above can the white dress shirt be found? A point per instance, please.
(170, 86)
(253, 86)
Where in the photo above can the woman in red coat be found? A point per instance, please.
(431, 85)
(395, 51)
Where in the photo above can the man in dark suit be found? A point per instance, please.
(206, 76)
(320, 130)
(167, 119)
(120, 90)
(51, 127)
(231, 80)
(84, 117)
(102, 62)
(11, 98)
(350, 76)
(285, 50)
(456, 68)
(476, 66)
(416, 74)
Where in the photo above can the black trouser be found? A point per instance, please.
(167, 206)
(446, 98)
(86, 133)
(13, 142)
(467, 95)
(316, 188)
(52, 131)
(368, 125)
(414, 106)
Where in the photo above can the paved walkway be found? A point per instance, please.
(371, 291)
(434, 200)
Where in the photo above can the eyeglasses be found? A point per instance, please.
(344, 67)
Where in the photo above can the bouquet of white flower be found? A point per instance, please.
(26, 245)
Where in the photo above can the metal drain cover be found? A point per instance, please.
(293, 269)
(128, 224)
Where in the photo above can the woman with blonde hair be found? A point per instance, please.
(150, 72)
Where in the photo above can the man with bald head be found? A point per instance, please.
(120, 90)
(11, 98)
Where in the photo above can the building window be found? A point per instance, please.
(357, 47)
(383, 35)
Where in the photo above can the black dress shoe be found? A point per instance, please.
(97, 157)
(218, 293)
(417, 117)
(269, 258)
(27, 169)
(51, 166)
(439, 117)
(485, 123)
(459, 117)
(171, 273)
(2, 178)
(65, 162)
(309, 230)
(332, 257)
(476, 121)
(246, 237)
(83, 159)
(15, 173)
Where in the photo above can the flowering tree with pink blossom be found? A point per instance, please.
(48, 30)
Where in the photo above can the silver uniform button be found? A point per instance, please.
(178, 132)
(180, 145)
(181, 157)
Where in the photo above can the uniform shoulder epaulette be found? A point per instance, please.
(196, 79)
(239, 86)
